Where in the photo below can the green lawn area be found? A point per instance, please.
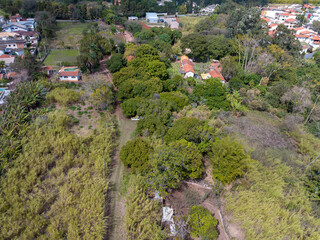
(68, 35)
(56, 57)
(2, 12)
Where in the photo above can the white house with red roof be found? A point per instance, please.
(70, 74)
(290, 22)
(186, 67)
(8, 59)
(284, 16)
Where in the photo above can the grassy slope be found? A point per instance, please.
(61, 55)
(57, 187)
(271, 201)
(68, 35)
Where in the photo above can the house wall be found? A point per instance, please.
(70, 78)
(189, 74)
(14, 29)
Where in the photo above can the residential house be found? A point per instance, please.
(290, 23)
(186, 67)
(152, 17)
(8, 59)
(8, 35)
(48, 70)
(15, 18)
(284, 16)
(215, 71)
(13, 27)
(70, 74)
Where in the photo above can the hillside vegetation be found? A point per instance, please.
(57, 186)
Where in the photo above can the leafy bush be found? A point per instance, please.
(190, 129)
(156, 117)
(178, 99)
(130, 106)
(116, 62)
(63, 96)
(136, 155)
(19, 110)
(202, 224)
(228, 159)
(173, 163)
(211, 93)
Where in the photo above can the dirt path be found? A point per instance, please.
(128, 36)
(117, 205)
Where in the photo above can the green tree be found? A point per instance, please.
(202, 224)
(171, 164)
(244, 21)
(198, 44)
(182, 9)
(190, 129)
(148, 88)
(316, 26)
(129, 107)
(228, 159)
(211, 93)
(135, 154)
(156, 117)
(178, 99)
(285, 38)
(219, 47)
(116, 62)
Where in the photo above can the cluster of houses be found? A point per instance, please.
(288, 16)
(187, 69)
(17, 34)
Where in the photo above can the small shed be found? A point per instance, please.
(133, 18)
(152, 17)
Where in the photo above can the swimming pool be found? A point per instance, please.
(2, 89)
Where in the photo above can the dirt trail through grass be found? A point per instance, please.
(117, 205)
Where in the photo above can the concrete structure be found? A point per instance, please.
(152, 17)
(133, 18)
(70, 74)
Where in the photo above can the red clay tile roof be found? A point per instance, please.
(302, 36)
(216, 74)
(188, 68)
(130, 58)
(47, 68)
(273, 25)
(266, 19)
(305, 32)
(69, 74)
(1, 76)
(12, 74)
(184, 57)
(316, 38)
(290, 20)
(6, 56)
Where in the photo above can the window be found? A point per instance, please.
(73, 77)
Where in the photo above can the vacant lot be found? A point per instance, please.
(68, 35)
(188, 23)
(58, 56)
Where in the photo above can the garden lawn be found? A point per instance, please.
(56, 57)
(68, 35)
